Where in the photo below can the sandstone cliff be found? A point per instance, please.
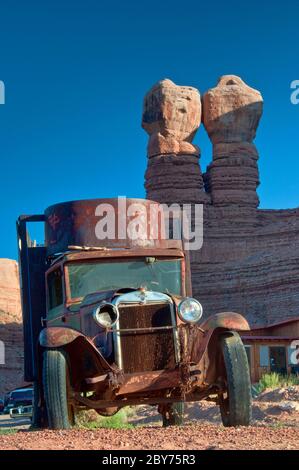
(9, 288)
(11, 331)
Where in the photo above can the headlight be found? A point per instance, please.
(190, 310)
(106, 315)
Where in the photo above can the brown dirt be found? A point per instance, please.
(278, 407)
(189, 437)
(273, 427)
(290, 393)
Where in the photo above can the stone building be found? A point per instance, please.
(249, 261)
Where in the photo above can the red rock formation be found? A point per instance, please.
(232, 112)
(11, 334)
(249, 261)
(11, 331)
(174, 178)
(9, 288)
(171, 117)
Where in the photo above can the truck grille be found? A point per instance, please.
(151, 350)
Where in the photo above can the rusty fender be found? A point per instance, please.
(200, 343)
(227, 320)
(74, 341)
(56, 337)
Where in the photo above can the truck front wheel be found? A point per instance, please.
(56, 382)
(235, 404)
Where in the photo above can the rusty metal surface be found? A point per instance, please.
(100, 404)
(96, 380)
(228, 320)
(170, 252)
(150, 381)
(83, 354)
(151, 350)
(74, 223)
(55, 336)
(149, 399)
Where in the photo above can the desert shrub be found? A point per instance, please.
(275, 380)
(90, 419)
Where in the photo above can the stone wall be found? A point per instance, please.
(249, 261)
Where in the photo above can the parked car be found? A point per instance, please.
(19, 397)
(5, 402)
(21, 412)
(1, 406)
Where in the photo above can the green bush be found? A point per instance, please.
(91, 420)
(275, 380)
(4, 431)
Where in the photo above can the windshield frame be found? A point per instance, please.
(72, 300)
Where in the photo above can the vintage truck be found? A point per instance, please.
(112, 323)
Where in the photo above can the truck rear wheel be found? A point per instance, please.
(175, 415)
(56, 384)
(235, 405)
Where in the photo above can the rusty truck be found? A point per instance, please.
(112, 323)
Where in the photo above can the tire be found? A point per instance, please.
(56, 389)
(175, 416)
(235, 408)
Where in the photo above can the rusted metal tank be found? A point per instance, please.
(77, 223)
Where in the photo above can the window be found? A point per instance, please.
(22, 394)
(264, 356)
(278, 359)
(55, 288)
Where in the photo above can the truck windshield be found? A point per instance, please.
(157, 275)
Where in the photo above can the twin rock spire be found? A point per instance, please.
(230, 113)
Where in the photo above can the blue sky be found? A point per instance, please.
(76, 72)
